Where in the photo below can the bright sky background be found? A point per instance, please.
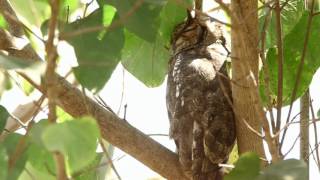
(146, 110)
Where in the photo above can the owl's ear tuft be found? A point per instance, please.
(189, 15)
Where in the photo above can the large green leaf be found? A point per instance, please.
(288, 169)
(139, 17)
(172, 14)
(98, 52)
(10, 144)
(39, 10)
(41, 159)
(36, 13)
(3, 162)
(31, 173)
(290, 16)
(3, 117)
(36, 132)
(146, 61)
(293, 47)
(246, 168)
(91, 171)
(76, 140)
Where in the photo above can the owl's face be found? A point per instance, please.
(195, 32)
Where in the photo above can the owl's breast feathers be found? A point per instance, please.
(199, 100)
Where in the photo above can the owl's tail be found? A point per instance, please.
(208, 171)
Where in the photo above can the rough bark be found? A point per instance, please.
(245, 61)
(304, 127)
(118, 132)
(113, 129)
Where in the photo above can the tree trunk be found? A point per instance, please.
(245, 63)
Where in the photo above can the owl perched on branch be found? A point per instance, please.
(199, 98)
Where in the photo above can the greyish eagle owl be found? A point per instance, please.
(199, 98)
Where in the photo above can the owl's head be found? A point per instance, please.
(196, 32)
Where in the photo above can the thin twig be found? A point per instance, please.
(122, 91)
(265, 69)
(77, 174)
(291, 148)
(109, 159)
(225, 7)
(313, 156)
(311, 152)
(50, 81)
(123, 18)
(315, 131)
(286, 125)
(86, 8)
(23, 26)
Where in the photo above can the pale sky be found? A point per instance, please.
(146, 110)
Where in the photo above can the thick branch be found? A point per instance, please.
(113, 129)
(117, 131)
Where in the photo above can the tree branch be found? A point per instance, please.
(116, 131)
(304, 128)
(113, 129)
(14, 27)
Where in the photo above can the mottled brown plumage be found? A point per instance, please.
(198, 90)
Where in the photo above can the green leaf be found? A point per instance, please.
(98, 53)
(3, 22)
(143, 20)
(62, 115)
(37, 12)
(146, 61)
(288, 169)
(290, 16)
(76, 140)
(27, 87)
(36, 132)
(67, 7)
(246, 168)
(177, 14)
(41, 160)
(31, 173)
(108, 14)
(5, 81)
(10, 144)
(3, 162)
(91, 171)
(293, 47)
(9, 62)
(318, 113)
(4, 114)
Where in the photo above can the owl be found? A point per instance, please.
(199, 101)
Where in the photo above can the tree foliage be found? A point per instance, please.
(135, 33)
